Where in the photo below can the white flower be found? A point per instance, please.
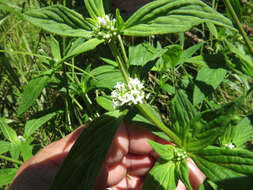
(129, 94)
(102, 21)
(105, 28)
(230, 146)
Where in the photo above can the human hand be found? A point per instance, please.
(128, 161)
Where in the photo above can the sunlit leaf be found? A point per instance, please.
(35, 123)
(59, 20)
(167, 16)
(9, 133)
(31, 92)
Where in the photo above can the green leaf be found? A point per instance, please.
(119, 20)
(106, 76)
(199, 60)
(80, 46)
(83, 163)
(219, 164)
(105, 102)
(7, 131)
(172, 56)
(182, 112)
(34, 124)
(31, 92)
(26, 149)
(167, 16)
(239, 52)
(161, 176)
(15, 150)
(6, 175)
(7, 5)
(182, 172)
(188, 53)
(205, 85)
(109, 61)
(55, 48)
(212, 29)
(202, 134)
(238, 134)
(144, 53)
(206, 127)
(95, 8)
(165, 152)
(4, 147)
(59, 20)
(169, 154)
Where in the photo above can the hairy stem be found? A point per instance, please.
(123, 49)
(151, 117)
(119, 60)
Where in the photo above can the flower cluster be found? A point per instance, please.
(179, 154)
(129, 94)
(106, 28)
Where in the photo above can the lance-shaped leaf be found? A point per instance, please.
(220, 164)
(182, 172)
(7, 131)
(35, 123)
(80, 46)
(59, 20)
(182, 112)
(31, 92)
(106, 76)
(167, 16)
(85, 160)
(95, 8)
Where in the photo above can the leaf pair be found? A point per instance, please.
(157, 17)
(168, 169)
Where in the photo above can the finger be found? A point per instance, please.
(180, 186)
(116, 173)
(196, 176)
(119, 147)
(138, 165)
(129, 183)
(138, 139)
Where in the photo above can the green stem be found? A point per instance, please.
(119, 60)
(123, 49)
(148, 113)
(237, 22)
(10, 160)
